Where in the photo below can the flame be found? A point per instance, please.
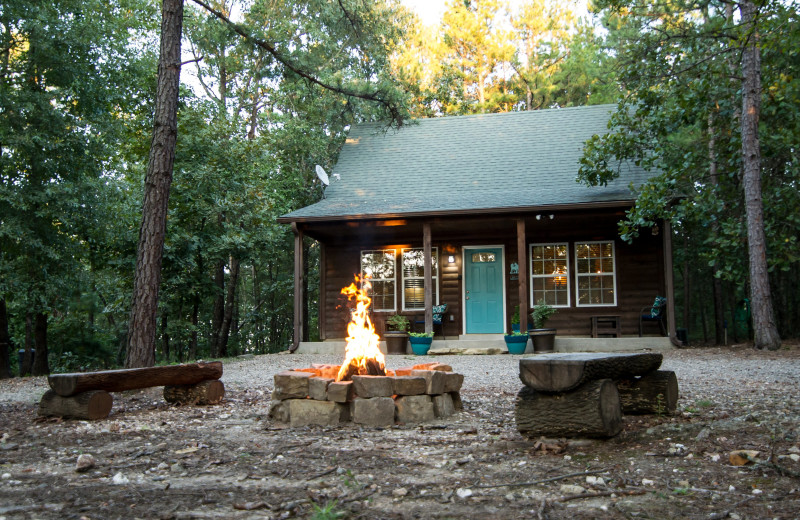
(362, 341)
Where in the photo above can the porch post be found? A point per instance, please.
(522, 260)
(426, 244)
(297, 337)
(323, 275)
(669, 282)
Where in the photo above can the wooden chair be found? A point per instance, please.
(655, 312)
(439, 313)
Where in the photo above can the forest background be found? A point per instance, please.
(77, 96)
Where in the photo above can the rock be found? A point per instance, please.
(400, 492)
(414, 408)
(453, 382)
(279, 411)
(377, 411)
(794, 456)
(595, 481)
(306, 412)
(85, 463)
(373, 386)
(318, 388)
(341, 391)
(291, 384)
(5, 476)
(742, 457)
(443, 405)
(572, 489)
(464, 492)
(119, 479)
(409, 385)
(434, 380)
(457, 404)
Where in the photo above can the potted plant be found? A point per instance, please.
(516, 342)
(396, 334)
(543, 338)
(420, 342)
(515, 320)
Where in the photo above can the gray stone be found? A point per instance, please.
(443, 405)
(341, 391)
(318, 388)
(453, 382)
(373, 386)
(409, 385)
(377, 411)
(414, 409)
(291, 385)
(85, 463)
(279, 411)
(305, 412)
(434, 380)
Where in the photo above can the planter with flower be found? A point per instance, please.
(420, 342)
(396, 334)
(543, 338)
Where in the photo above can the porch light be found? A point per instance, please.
(560, 280)
(451, 259)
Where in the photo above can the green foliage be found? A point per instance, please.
(398, 322)
(421, 334)
(541, 313)
(329, 511)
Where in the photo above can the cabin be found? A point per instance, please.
(484, 213)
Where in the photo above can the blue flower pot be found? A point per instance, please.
(516, 344)
(420, 346)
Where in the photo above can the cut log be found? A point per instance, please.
(210, 391)
(91, 405)
(563, 372)
(653, 393)
(134, 378)
(591, 410)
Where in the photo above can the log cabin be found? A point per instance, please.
(484, 213)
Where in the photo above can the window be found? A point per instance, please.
(414, 278)
(550, 274)
(379, 266)
(595, 273)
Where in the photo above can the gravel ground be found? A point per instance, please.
(153, 460)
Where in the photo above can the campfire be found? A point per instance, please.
(362, 356)
(361, 390)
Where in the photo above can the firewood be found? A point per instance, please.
(91, 405)
(206, 392)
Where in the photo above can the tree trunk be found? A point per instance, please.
(164, 336)
(206, 392)
(158, 178)
(591, 410)
(653, 393)
(91, 405)
(193, 342)
(766, 331)
(219, 309)
(40, 364)
(719, 304)
(27, 357)
(230, 302)
(5, 342)
(687, 286)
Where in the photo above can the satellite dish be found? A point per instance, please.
(322, 175)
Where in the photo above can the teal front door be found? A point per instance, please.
(483, 285)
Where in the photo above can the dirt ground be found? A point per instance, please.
(153, 460)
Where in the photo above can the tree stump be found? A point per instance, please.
(653, 393)
(563, 372)
(206, 392)
(91, 405)
(591, 410)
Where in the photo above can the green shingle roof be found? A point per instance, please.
(468, 163)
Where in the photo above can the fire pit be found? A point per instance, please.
(361, 389)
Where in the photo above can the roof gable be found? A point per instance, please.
(469, 164)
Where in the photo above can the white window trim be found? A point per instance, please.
(434, 279)
(566, 275)
(613, 274)
(394, 279)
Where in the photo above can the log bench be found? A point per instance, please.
(86, 395)
(586, 394)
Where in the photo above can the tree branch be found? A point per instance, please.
(375, 96)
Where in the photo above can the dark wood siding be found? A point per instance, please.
(639, 266)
